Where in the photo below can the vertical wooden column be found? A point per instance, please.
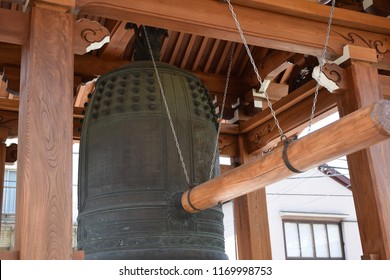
(3, 153)
(44, 184)
(251, 221)
(369, 168)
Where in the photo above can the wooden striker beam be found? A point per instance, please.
(352, 133)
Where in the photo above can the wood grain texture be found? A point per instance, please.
(251, 221)
(369, 168)
(357, 131)
(213, 19)
(44, 185)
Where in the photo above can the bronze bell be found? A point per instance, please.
(130, 174)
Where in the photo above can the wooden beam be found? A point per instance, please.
(228, 145)
(43, 227)
(369, 168)
(280, 106)
(13, 26)
(358, 130)
(293, 33)
(261, 138)
(316, 12)
(251, 220)
(89, 65)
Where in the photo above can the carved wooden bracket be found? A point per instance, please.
(335, 74)
(332, 77)
(89, 35)
(380, 43)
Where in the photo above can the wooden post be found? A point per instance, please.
(251, 221)
(3, 152)
(370, 168)
(43, 227)
(358, 130)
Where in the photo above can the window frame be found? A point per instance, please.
(312, 222)
(8, 184)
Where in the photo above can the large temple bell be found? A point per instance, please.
(130, 174)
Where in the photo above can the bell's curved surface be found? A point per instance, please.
(130, 174)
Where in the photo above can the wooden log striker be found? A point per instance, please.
(356, 131)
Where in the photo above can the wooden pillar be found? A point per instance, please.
(44, 184)
(3, 153)
(370, 168)
(251, 221)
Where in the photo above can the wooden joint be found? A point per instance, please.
(89, 35)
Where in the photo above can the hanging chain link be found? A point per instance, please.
(273, 113)
(322, 62)
(167, 109)
(222, 110)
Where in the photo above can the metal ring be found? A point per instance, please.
(285, 159)
(189, 200)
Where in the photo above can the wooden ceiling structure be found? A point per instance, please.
(51, 51)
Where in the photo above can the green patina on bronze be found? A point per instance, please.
(130, 173)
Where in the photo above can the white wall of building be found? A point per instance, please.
(310, 195)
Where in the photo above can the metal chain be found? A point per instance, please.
(221, 115)
(254, 67)
(322, 62)
(167, 109)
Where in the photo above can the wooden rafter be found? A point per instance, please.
(188, 51)
(199, 54)
(176, 48)
(119, 40)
